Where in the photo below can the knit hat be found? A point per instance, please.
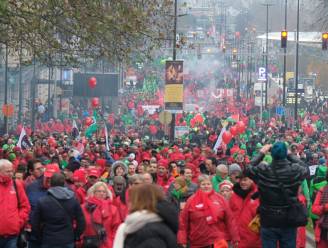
(225, 184)
(279, 151)
(163, 163)
(234, 168)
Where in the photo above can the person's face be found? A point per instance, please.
(222, 173)
(68, 174)
(100, 193)
(84, 163)
(119, 171)
(206, 186)
(46, 182)
(118, 187)
(162, 170)
(132, 169)
(208, 164)
(7, 170)
(188, 174)
(19, 175)
(246, 183)
(141, 169)
(147, 179)
(78, 184)
(38, 170)
(235, 177)
(226, 193)
(92, 180)
(152, 168)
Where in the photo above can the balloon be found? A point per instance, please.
(153, 129)
(92, 82)
(88, 121)
(241, 127)
(226, 137)
(233, 130)
(95, 102)
(199, 118)
(192, 122)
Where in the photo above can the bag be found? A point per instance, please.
(91, 242)
(22, 236)
(297, 214)
(255, 224)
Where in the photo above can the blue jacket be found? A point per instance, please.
(54, 216)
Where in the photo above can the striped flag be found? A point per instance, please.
(75, 131)
(219, 140)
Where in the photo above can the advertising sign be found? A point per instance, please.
(173, 97)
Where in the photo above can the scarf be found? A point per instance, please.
(5, 179)
(132, 224)
(177, 194)
(323, 201)
(240, 192)
(201, 201)
(216, 182)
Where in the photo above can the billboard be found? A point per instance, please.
(173, 97)
(107, 85)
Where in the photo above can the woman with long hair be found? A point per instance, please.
(206, 218)
(152, 222)
(102, 217)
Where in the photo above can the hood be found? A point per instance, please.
(169, 214)
(61, 193)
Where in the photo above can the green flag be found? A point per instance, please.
(93, 127)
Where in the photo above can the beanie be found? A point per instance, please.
(279, 151)
(234, 168)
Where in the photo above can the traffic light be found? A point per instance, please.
(284, 36)
(324, 41)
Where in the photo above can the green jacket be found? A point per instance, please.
(216, 180)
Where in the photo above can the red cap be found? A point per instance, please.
(164, 163)
(93, 172)
(225, 183)
(145, 156)
(51, 169)
(79, 176)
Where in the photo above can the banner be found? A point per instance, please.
(75, 131)
(23, 141)
(106, 137)
(179, 131)
(151, 109)
(173, 97)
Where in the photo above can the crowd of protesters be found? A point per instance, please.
(139, 189)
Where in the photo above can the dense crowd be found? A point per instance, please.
(231, 181)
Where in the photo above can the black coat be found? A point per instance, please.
(157, 234)
(291, 173)
(53, 223)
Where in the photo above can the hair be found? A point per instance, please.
(57, 179)
(222, 166)
(145, 197)
(134, 178)
(183, 184)
(91, 191)
(202, 178)
(4, 162)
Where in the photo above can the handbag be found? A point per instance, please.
(297, 214)
(22, 236)
(255, 224)
(97, 240)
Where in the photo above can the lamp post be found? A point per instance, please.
(6, 88)
(297, 61)
(285, 55)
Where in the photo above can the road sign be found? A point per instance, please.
(262, 74)
(280, 110)
(293, 90)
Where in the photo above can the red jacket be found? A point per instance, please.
(319, 210)
(121, 207)
(13, 218)
(194, 227)
(244, 211)
(105, 214)
(81, 194)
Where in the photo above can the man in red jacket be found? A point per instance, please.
(14, 207)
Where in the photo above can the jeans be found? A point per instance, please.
(58, 246)
(8, 242)
(285, 236)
